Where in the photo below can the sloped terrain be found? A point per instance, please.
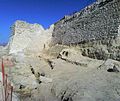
(66, 81)
(76, 59)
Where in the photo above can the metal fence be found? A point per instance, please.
(6, 90)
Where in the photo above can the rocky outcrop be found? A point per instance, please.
(29, 38)
(3, 50)
(96, 22)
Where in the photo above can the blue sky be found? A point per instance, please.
(44, 12)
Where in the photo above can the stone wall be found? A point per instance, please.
(96, 22)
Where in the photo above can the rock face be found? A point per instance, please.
(29, 37)
(96, 22)
(3, 50)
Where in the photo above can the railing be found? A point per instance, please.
(6, 87)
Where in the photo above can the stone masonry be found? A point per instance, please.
(96, 22)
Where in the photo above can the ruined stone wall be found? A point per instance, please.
(96, 22)
(29, 38)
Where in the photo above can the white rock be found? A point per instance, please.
(29, 38)
(119, 30)
(45, 79)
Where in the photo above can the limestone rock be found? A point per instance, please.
(3, 50)
(45, 79)
(29, 37)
